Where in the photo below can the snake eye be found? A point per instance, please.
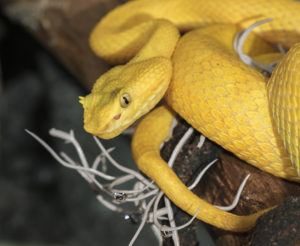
(125, 100)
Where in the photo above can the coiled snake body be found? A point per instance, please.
(203, 81)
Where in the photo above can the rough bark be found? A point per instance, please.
(284, 219)
(220, 184)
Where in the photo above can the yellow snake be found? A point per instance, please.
(203, 81)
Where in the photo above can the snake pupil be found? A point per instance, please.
(125, 100)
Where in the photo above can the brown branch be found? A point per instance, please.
(222, 181)
(63, 27)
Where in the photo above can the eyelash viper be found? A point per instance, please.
(204, 82)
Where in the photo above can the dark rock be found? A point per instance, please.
(280, 226)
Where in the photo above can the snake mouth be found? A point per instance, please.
(111, 129)
(109, 134)
(105, 134)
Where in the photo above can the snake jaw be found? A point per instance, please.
(108, 120)
(99, 116)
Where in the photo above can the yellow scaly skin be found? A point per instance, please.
(226, 100)
(284, 98)
(155, 128)
(206, 77)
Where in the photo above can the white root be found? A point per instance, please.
(239, 42)
(144, 195)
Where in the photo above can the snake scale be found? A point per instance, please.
(183, 51)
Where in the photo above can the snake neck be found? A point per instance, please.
(159, 30)
(127, 92)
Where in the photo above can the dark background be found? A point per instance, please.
(41, 202)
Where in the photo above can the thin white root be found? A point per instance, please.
(165, 228)
(174, 124)
(108, 204)
(144, 220)
(101, 159)
(175, 235)
(82, 173)
(155, 209)
(121, 167)
(144, 196)
(170, 229)
(159, 214)
(134, 191)
(89, 178)
(201, 174)
(201, 142)
(179, 146)
(63, 162)
(239, 42)
(121, 180)
(157, 234)
(281, 49)
(70, 138)
(237, 196)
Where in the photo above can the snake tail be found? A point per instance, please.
(153, 130)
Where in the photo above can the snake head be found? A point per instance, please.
(124, 94)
